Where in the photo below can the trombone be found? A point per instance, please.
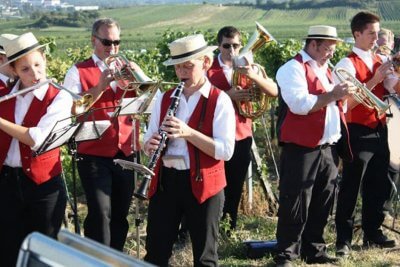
(82, 103)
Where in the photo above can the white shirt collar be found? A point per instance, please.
(307, 58)
(99, 63)
(204, 89)
(39, 93)
(221, 63)
(362, 53)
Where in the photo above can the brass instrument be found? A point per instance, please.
(363, 95)
(258, 102)
(387, 51)
(82, 103)
(127, 79)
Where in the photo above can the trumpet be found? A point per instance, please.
(387, 51)
(363, 95)
(82, 103)
(127, 78)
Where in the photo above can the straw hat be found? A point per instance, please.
(20, 46)
(323, 32)
(4, 38)
(187, 48)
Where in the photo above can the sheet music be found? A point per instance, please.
(60, 135)
(139, 105)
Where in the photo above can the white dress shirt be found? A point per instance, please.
(58, 110)
(72, 79)
(367, 57)
(228, 71)
(291, 78)
(223, 125)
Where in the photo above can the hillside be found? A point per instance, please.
(142, 25)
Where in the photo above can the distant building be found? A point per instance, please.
(51, 3)
(86, 8)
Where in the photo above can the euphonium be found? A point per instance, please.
(258, 102)
(363, 95)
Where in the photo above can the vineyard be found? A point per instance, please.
(146, 31)
(143, 25)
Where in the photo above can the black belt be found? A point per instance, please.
(175, 172)
(324, 146)
(8, 172)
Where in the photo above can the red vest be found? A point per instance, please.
(119, 135)
(217, 78)
(41, 168)
(212, 171)
(305, 130)
(361, 114)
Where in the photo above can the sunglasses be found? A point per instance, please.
(107, 42)
(228, 46)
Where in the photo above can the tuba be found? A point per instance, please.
(363, 95)
(258, 102)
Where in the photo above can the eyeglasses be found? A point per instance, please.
(328, 49)
(228, 46)
(107, 42)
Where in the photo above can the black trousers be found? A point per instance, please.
(367, 173)
(26, 207)
(109, 191)
(173, 199)
(236, 169)
(307, 186)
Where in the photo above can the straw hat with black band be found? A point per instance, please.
(188, 48)
(323, 32)
(4, 38)
(20, 46)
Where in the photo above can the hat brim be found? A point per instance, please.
(206, 50)
(324, 38)
(23, 54)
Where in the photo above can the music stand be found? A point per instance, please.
(137, 107)
(65, 132)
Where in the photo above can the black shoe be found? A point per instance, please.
(342, 250)
(321, 259)
(382, 241)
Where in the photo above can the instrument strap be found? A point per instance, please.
(196, 150)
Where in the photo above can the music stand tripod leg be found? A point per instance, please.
(136, 159)
(73, 151)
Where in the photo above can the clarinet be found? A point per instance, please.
(141, 193)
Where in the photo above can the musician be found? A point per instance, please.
(190, 177)
(309, 131)
(220, 75)
(5, 71)
(107, 186)
(368, 137)
(32, 193)
(386, 38)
